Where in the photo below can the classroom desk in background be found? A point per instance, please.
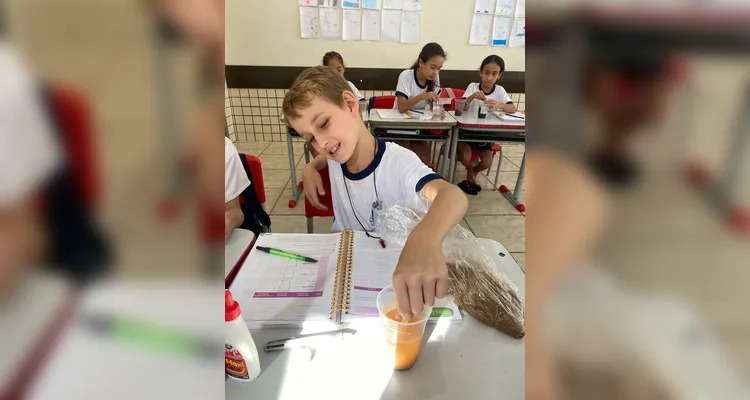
(238, 242)
(470, 128)
(375, 121)
(466, 360)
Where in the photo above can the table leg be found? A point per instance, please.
(454, 146)
(446, 149)
(497, 173)
(514, 197)
(292, 166)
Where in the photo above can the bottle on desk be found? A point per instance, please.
(240, 354)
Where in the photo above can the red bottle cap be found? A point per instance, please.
(231, 307)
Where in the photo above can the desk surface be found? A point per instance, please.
(466, 360)
(235, 246)
(470, 120)
(375, 119)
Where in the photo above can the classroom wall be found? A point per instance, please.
(266, 32)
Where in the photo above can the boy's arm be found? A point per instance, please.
(233, 216)
(421, 274)
(319, 162)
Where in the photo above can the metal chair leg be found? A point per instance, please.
(309, 225)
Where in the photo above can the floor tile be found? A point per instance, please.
(275, 161)
(520, 259)
(272, 196)
(282, 206)
(288, 224)
(253, 148)
(280, 148)
(513, 150)
(515, 161)
(275, 178)
(464, 224)
(506, 229)
(489, 202)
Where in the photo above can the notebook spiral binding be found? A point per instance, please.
(340, 300)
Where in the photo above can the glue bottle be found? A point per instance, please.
(240, 354)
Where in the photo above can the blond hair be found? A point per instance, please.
(323, 82)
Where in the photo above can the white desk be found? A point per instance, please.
(471, 128)
(375, 121)
(235, 246)
(467, 360)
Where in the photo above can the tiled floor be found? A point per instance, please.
(489, 214)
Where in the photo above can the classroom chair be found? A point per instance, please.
(310, 211)
(78, 246)
(381, 102)
(253, 199)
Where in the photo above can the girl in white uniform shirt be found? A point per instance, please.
(416, 86)
(497, 98)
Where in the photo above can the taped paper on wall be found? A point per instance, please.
(410, 27)
(392, 4)
(328, 3)
(308, 3)
(390, 26)
(330, 23)
(372, 4)
(480, 29)
(501, 30)
(505, 7)
(412, 5)
(308, 22)
(352, 25)
(484, 7)
(521, 9)
(350, 4)
(371, 25)
(518, 33)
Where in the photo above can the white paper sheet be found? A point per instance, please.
(501, 30)
(330, 23)
(412, 5)
(309, 3)
(372, 4)
(308, 22)
(352, 25)
(390, 26)
(392, 4)
(505, 7)
(371, 25)
(518, 33)
(328, 3)
(480, 29)
(484, 6)
(351, 4)
(410, 27)
(521, 9)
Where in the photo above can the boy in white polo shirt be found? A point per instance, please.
(235, 182)
(367, 174)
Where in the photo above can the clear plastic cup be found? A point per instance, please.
(363, 109)
(403, 339)
(483, 109)
(436, 107)
(460, 106)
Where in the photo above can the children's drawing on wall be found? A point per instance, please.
(328, 3)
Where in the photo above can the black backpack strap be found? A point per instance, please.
(256, 218)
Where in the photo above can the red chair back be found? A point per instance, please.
(382, 102)
(325, 199)
(256, 176)
(74, 119)
(451, 93)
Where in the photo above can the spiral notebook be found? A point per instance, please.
(343, 285)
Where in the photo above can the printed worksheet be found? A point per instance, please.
(371, 25)
(410, 27)
(505, 7)
(390, 26)
(521, 9)
(501, 30)
(308, 22)
(518, 33)
(480, 29)
(412, 5)
(330, 23)
(372, 4)
(350, 4)
(393, 4)
(372, 271)
(352, 25)
(277, 289)
(484, 6)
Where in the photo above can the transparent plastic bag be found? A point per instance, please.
(475, 282)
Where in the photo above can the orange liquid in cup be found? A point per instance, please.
(408, 341)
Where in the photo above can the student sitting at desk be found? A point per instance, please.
(235, 182)
(419, 85)
(368, 174)
(496, 97)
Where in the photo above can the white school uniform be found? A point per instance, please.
(497, 93)
(354, 90)
(408, 86)
(395, 174)
(235, 178)
(29, 150)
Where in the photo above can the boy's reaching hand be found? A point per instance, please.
(312, 184)
(421, 274)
